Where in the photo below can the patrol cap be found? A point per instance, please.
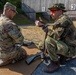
(59, 6)
(11, 6)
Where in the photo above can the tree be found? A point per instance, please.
(17, 3)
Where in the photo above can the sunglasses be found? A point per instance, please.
(53, 11)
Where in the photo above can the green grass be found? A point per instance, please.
(22, 19)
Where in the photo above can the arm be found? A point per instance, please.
(55, 33)
(14, 32)
(60, 28)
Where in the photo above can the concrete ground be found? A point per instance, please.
(69, 68)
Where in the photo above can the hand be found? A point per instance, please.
(18, 45)
(38, 23)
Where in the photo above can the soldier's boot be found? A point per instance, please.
(53, 66)
(62, 59)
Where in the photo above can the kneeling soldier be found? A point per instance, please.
(60, 40)
(11, 37)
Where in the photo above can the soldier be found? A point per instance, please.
(11, 37)
(61, 41)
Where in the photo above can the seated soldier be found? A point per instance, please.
(60, 41)
(11, 37)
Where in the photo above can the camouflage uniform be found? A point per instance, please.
(60, 38)
(60, 42)
(10, 35)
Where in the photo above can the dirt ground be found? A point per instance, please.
(21, 68)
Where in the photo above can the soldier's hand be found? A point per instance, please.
(18, 45)
(38, 23)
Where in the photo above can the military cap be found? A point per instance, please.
(59, 6)
(11, 6)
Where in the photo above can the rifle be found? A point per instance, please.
(40, 19)
(38, 54)
(33, 57)
(27, 43)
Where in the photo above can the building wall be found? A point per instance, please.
(32, 6)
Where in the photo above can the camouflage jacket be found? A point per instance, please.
(9, 33)
(63, 29)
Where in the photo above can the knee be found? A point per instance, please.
(49, 39)
(41, 46)
(49, 42)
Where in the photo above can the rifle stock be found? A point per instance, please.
(32, 58)
(27, 43)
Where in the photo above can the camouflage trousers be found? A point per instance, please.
(12, 55)
(56, 48)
